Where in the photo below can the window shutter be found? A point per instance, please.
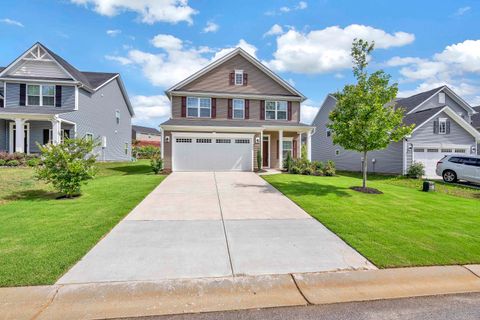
(23, 94)
(247, 109)
(435, 126)
(58, 96)
(229, 115)
(214, 108)
(294, 147)
(262, 110)
(278, 149)
(245, 79)
(46, 136)
(184, 107)
(232, 78)
(289, 110)
(448, 126)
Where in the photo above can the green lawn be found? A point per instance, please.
(41, 237)
(402, 227)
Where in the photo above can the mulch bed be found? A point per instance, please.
(367, 190)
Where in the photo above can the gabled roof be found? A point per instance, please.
(476, 118)
(411, 102)
(147, 130)
(230, 55)
(417, 118)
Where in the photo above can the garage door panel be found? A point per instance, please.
(198, 153)
(429, 156)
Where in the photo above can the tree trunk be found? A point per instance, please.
(364, 169)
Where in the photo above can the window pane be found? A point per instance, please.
(33, 100)
(270, 115)
(33, 90)
(281, 115)
(205, 103)
(192, 102)
(205, 113)
(238, 104)
(192, 112)
(270, 105)
(48, 90)
(48, 101)
(238, 78)
(282, 105)
(238, 114)
(287, 145)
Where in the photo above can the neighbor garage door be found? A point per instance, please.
(212, 153)
(429, 156)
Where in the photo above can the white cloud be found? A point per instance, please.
(149, 11)
(326, 50)
(176, 60)
(114, 32)
(211, 27)
(308, 111)
(461, 11)
(12, 22)
(284, 9)
(302, 5)
(276, 29)
(151, 110)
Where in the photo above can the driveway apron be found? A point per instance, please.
(214, 224)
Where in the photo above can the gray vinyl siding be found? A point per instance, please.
(389, 160)
(96, 115)
(433, 103)
(12, 99)
(36, 134)
(3, 135)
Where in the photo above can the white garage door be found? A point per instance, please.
(207, 153)
(429, 156)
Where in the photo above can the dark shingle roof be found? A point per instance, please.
(476, 118)
(96, 79)
(420, 117)
(411, 102)
(147, 130)
(229, 123)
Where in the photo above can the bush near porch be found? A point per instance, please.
(402, 227)
(18, 159)
(42, 237)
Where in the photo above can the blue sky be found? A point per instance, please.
(155, 43)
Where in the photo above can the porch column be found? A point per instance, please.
(280, 149)
(261, 149)
(19, 135)
(309, 145)
(56, 131)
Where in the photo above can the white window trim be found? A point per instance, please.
(40, 95)
(441, 96)
(291, 145)
(440, 122)
(117, 117)
(277, 102)
(233, 109)
(198, 107)
(235, 78)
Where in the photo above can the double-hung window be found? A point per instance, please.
(442, 126)
(199, 107)
(238, 77)
(276, 110)
(40, 95)
(238, 109)
(287, 148)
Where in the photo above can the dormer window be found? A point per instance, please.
(239, 77)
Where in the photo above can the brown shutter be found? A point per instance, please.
(245, 79)
(232, 78)
(294, 146)
(23, 94)
(229, 108)
(58, 96)
(262, 110)
(214, 108)
(289, 110)
(184, 107)
(278, 149)
(247, 108)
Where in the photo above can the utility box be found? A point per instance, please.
(428, 186)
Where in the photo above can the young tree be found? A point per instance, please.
(67, 165)
(363, 120)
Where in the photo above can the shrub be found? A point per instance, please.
(318, 166)
(67, 165)
(416, 170)
(295, 170)
(329, 168)
(33, 162)
(2, 162)
(13, 163)
(307, 171)
(156, 163)
(146, 152)
(259, 160)
(287, 164)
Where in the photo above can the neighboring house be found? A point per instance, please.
(50, 99)
(476, 124)
(145, 136)
(442, 126)
(226, 112)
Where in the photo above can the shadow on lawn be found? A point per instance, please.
(297, 188)
(129, 170)
(33, 194)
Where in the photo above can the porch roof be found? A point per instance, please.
(31, 113)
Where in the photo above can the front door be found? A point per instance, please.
(266, 153)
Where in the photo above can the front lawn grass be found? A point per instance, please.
(42, 237)
(402, 227)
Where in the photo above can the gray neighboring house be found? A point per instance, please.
(442, 126)
(476, 124)
(51, 100)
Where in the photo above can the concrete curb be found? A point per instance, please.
(134, 299)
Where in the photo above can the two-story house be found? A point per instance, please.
(443, 125)
(223, 114)
(50, 99)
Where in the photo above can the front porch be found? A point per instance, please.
(37, 130)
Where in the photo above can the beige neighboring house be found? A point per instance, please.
(146, 136)
(223, 114)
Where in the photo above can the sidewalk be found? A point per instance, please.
(132, 299)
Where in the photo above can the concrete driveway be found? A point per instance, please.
(210, 224)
